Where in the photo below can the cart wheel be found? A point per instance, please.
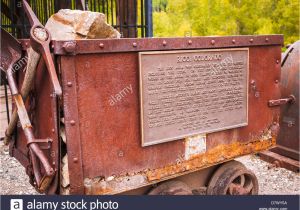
(171, 188)
(233, 178)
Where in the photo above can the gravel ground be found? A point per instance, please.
(272, 180)
(14, 180)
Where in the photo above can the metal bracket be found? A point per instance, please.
(44, 144)
(277, 102)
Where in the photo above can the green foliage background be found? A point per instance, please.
(226, 17)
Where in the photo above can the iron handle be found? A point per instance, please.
(277, 102)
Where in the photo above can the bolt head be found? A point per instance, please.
(72, 122)
(251, 40)
(213, 42)
(233, 41)
(134, 44)
(101, 45)
(164, 43)
(75, 159)
(190, 42)
(69, 84)
(69, 47)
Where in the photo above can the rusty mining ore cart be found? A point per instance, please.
(137, 112)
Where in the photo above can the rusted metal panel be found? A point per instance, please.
(264, 73)
(72, 123)
(184, 93)
(151, 44)
(106, 132)
(110, 133)
(286, 152)
(288, 142)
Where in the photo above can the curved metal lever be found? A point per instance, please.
(40, 39)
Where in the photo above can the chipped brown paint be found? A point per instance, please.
(218, 154)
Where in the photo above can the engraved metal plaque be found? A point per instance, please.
(184, 93)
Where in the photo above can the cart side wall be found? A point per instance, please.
(105, 140)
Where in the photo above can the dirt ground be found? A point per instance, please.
(13, 179)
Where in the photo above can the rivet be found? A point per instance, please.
(276, 81)
(251, 40)
(69, 47)
(53, 163)
(134, 44)
(72, 122)
(101, 45)
(213, 42)
(52, 46)
(267, 39)
(277, 61)
(26, 44)
(69, 84)
(75, 160)
(190, 42)
(233, 41)
(164, 43)
(53, 130)
(257, 94)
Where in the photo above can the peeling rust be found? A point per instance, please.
(218, 154)
(212, 157)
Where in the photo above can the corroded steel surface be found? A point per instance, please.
(213, 156)
(288, 142)
(220, 154)
(280, 161)
(151, 44)
(72, 124)
(184, 93)
(286, 152)
(106, 131)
